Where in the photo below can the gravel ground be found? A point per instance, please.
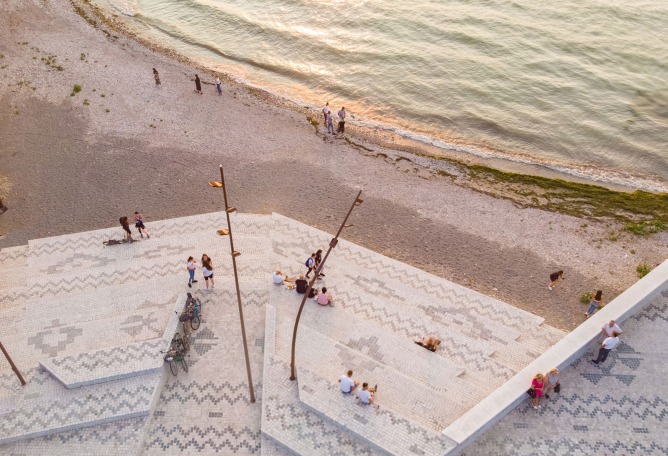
(72, 166)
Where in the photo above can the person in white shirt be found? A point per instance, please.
(191, 271)
(278, 277)
(325, 111)
(348, 385)
(609, 328)
(366, 395)
(342, 121)
(607, 345)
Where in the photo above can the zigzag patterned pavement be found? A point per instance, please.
(618, 407)
(98, 316)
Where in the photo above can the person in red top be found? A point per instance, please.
(537, 385)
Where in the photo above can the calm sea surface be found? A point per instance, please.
(576, 85)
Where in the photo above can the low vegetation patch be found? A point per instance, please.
(585, 298)
(646, 227)
(643, 269)
(76, 89)
(643, 212)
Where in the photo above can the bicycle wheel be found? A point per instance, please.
(194, 322)
(184, 365)
(173, 367)
(185, 343)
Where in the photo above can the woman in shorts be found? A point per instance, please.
(207, 270)
(126, 226)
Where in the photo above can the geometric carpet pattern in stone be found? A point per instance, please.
(618, 407)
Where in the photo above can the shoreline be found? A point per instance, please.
(394, 137)
(75, 161)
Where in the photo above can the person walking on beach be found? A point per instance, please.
(325, 111)
(207, 270)
(554, 278)
(190, 267)
(595, 303)
(330, 123)
(342, 121)
(607, 345)
(219, 87)
(139, 224)
(156, 76)
(198, 85)
(126, 226)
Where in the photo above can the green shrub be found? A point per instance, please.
(76, 88)
(643, 269)
(585, 298)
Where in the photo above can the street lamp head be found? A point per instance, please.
(236, 253)
(358, 201)
(348, 225)
(231, 209)
(216, 184)
(223, 232)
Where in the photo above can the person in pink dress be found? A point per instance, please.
(537, 385)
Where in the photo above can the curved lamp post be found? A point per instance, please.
(332, 244)
(235, 254)
(11, 363)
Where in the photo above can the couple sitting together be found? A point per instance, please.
(348, 385)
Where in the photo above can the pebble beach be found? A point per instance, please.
(77, 159)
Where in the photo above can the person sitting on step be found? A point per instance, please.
(431, 343)
(348, 385)
(367, 394)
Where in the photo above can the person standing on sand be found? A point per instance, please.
(198, 85)
(554, 278)
(342, 121)
(156, 76)
(330, 123)
(218, 86)
(325, 111)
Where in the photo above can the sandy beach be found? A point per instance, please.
(73, 161)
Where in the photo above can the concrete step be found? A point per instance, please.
(330, 359)
(41, 412)
(380, 426)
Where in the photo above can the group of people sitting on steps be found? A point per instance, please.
(322, 297)
(366, 395)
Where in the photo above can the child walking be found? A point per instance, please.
(139, 224)
(191, 271)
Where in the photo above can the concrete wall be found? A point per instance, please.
(581, 340)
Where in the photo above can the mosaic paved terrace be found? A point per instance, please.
(86, 325)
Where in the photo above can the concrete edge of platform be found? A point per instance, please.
(505, 398)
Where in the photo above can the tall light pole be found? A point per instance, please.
(332, 244)
(235, 254)
(11, 363)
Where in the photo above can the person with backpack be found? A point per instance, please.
(310, 264)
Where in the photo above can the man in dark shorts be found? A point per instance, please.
(139, 224)
(126, 226)
(554, 278)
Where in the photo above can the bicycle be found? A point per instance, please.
(180, 343)
(192, 313)
(175, 357)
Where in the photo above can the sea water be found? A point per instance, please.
(578, 86)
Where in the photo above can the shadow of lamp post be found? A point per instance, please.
(332, 244)
(235, 254)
